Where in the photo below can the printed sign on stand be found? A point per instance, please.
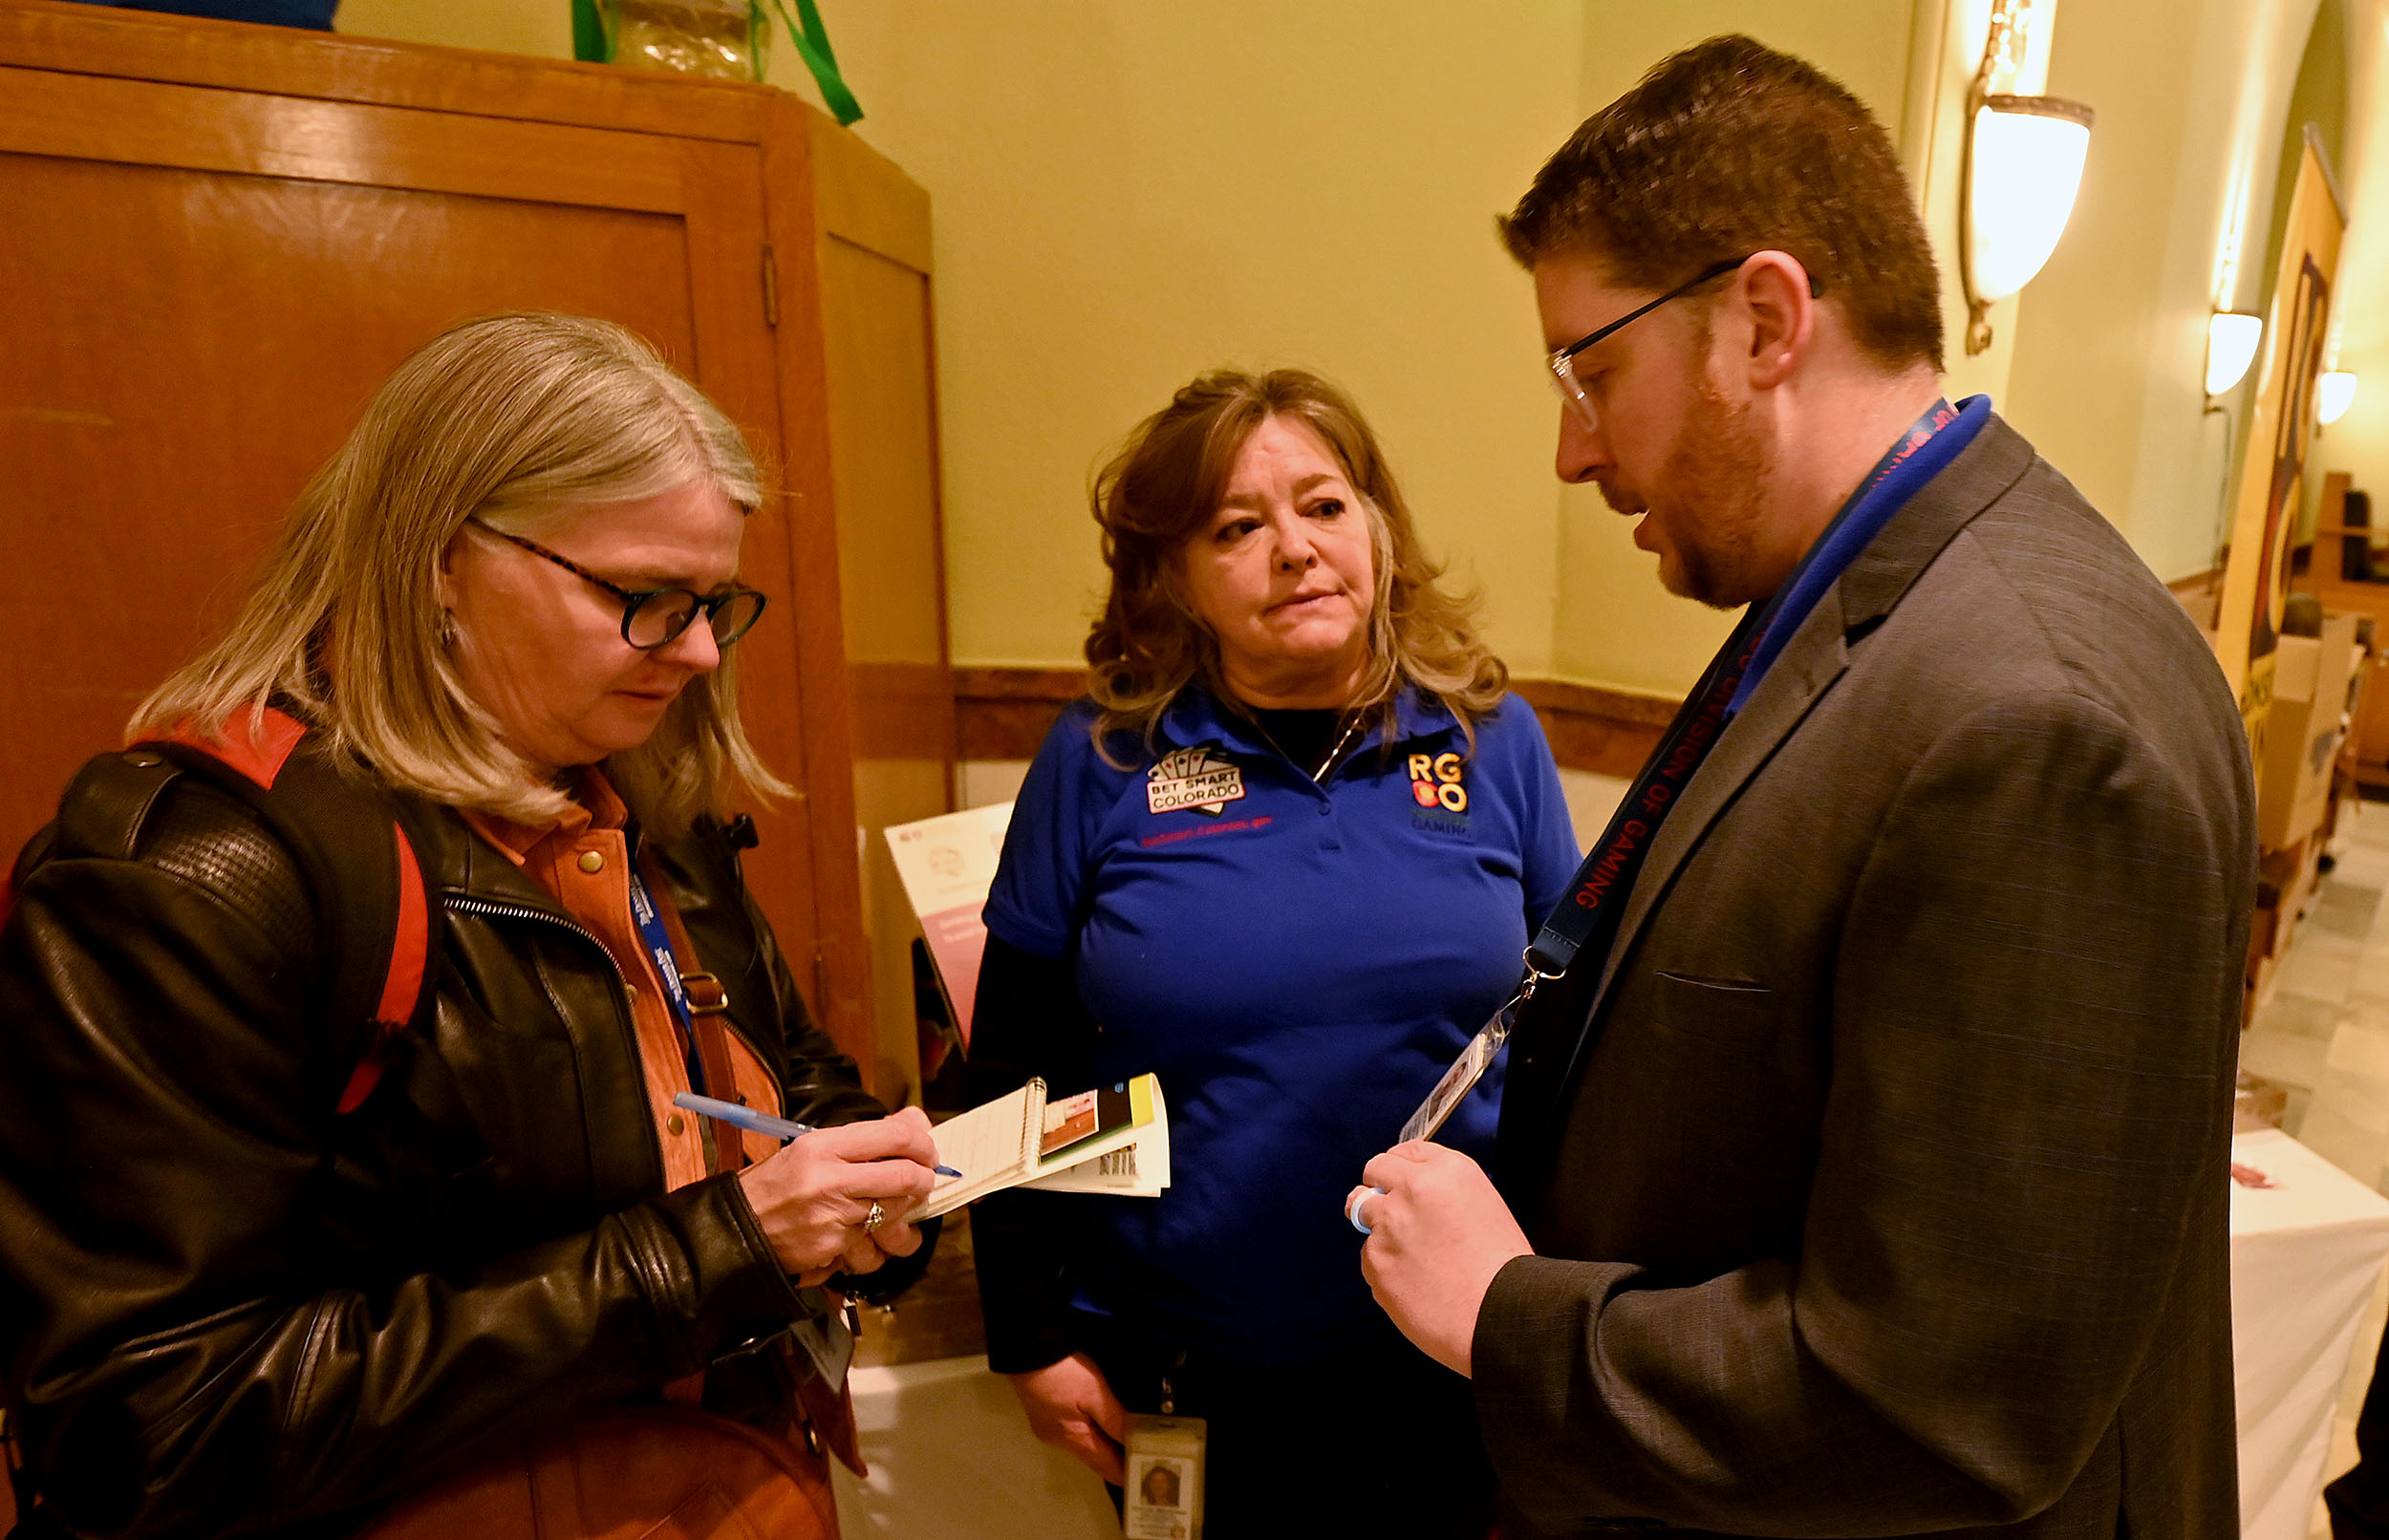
(947, 865)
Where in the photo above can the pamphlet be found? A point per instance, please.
(1113, 1140)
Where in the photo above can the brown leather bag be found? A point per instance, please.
(648, 1473)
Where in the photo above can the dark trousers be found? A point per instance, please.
(1378, 1440)
(2359, 1500)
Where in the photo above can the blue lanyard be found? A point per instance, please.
(658, 942)
(1595, 899)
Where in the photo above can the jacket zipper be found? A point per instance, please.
(523, 911)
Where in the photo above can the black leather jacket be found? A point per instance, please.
(224, 1309)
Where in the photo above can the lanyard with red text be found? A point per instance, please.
(1586, 921)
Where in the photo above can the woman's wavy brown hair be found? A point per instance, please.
(1164, 485)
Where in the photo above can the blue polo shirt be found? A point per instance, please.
(1299, 963)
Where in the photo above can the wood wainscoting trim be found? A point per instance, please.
(1591, 727)
(1004, 712)
(903, 711)
(2201, 594)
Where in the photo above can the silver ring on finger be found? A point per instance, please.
(1352, 1208)
(877, 1217)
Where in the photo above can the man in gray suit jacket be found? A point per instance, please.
(1865, 1172)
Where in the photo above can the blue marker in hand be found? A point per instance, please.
(756, 1122)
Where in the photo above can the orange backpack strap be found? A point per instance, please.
(403, 981)
(370, 900)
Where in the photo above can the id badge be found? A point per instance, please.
(1164, 1500)
(1463, 1075)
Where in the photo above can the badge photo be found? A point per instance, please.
(1164, 1497)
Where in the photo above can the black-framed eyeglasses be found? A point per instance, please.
(1562, 360)
(655, 617)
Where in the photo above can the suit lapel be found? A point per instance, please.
(1809, 664)
(1806, 668)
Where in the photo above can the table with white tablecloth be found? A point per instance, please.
(2306, 1257)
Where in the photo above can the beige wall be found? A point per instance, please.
(506, 26)
(1126, 194)
(2111, 347)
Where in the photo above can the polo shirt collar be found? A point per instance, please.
(1198, 717)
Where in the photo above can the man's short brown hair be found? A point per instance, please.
(1729, 148)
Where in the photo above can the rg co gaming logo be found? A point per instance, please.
(1435, 782)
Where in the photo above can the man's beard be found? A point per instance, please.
(1709, 497)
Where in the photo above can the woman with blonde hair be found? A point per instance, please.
(278, 1254)
(1286, 857)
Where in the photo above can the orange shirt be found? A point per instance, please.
(582, 862)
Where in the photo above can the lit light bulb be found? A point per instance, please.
(2027, 158)
(2333, 393)
(2232, 339)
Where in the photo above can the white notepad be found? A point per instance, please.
(1113, 1140)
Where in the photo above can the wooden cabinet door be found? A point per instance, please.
(206, 277)
(872, 245)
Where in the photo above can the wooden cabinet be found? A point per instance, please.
(216, 240)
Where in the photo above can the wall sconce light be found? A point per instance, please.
(2024, 159)
(2333, 393)
(2232, 339)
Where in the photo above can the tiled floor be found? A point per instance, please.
(2325, 1031)
(2324, 1034)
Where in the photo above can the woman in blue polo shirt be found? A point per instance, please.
(1286, 857)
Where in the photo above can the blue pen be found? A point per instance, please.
(756, 1122)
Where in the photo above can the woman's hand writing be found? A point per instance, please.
(813, 1196)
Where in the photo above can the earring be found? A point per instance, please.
(448, 628)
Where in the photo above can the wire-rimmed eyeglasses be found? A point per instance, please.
(1562, 361)
(655, 617)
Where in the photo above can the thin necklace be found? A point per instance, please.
(1319, 775)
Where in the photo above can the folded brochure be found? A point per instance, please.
(1113, 1139)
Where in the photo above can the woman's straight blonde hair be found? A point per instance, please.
(1165, 484)
(511, 419)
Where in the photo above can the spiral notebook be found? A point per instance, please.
(1114, 1139)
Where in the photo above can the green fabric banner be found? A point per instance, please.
(589, 33)
(812, 45)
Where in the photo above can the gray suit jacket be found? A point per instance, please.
(1878, 1184)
